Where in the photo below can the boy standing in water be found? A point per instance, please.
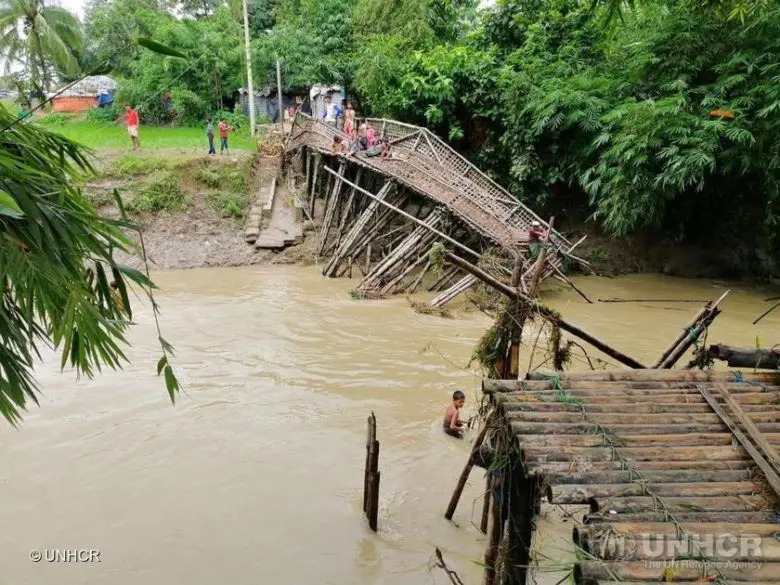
(453, 426)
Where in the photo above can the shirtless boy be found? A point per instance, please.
(453, 426)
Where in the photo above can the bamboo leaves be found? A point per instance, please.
(59, 283)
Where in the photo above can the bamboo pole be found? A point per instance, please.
(663, 476)
(419, 278)
(571, 494)
(566, 326)
(654, 375)
(659, 516)
(346, 247)
(675, 504)
(543, 468)
(483, 524)
(464, 475)
(692, 335)
(333, 202)
(546, 428)
(584, 454)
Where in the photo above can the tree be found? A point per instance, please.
(59, 283)
(40, 36)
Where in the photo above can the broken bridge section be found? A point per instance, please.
(419, 163)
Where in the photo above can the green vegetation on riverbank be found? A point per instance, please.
(153, 183)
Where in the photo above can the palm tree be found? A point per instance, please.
(41, 37)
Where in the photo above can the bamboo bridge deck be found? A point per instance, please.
(654, 454)
(424, 163)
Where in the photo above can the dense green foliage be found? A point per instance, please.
(566, 104)
(60, 285)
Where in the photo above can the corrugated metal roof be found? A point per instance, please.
(90, 86)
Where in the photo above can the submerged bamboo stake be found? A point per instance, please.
(545, 312)
(483, 524)
(464, 475)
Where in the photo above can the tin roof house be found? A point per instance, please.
(93, 91)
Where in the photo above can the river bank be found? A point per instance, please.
(202, 223)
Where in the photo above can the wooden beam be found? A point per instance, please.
(769, 473)
(544, 311)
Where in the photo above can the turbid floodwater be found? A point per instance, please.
(255, 476)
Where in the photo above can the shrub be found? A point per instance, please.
(107, 115)
(57, 119)
(223, 178)
(132, 166)
(162, 192)
(228, 204)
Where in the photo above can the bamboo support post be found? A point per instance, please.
(419, 278)
(313, 188)
(332, 205)
(545, 312)
(483, 523)
(354, 235)
(371, 476)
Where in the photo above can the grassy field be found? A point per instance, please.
(108, 137)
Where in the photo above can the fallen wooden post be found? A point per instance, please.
(737, 357)
(544, 311)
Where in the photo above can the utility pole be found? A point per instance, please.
(279, 90)
(250, 85)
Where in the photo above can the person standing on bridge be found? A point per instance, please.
(535, 236)
(349, 120)
(331, 113)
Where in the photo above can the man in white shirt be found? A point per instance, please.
(331, 113)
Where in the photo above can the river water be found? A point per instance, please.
(255, 476)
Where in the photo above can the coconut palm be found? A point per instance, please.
(40, 36)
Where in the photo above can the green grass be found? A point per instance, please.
(103, 137)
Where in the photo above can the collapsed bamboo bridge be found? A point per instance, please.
(400, 206)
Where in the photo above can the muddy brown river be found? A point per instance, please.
(255, 476)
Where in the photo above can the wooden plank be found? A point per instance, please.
(769, 473)
(748, 424)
